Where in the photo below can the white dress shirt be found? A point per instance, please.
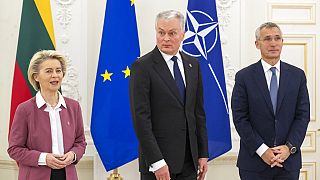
(268, 74)
(55, 124)
(170, 63)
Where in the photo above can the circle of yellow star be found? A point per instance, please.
(106, 76)
(132, 2)
(126, 72)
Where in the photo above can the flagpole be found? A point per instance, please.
(115, 175)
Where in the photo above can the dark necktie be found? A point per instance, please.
(274, 88)
(178, 77)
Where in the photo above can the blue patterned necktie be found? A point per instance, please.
(178, 77)
(274, 88)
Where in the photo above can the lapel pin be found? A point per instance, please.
(190, 65)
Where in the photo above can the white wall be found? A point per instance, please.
(9, 27)
(238, 21)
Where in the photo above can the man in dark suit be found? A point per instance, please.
(167, 108)
(271, 112)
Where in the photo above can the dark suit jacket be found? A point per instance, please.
(255, 120)
(160, 118)
(31, 134)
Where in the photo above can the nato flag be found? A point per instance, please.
(203, 42)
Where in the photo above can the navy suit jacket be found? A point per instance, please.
(160, 118)
(255, 120)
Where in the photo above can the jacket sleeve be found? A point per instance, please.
(79, 144)
(241, 119)
(18, 139)
(141, 113)
(302, 115)
(202, 136)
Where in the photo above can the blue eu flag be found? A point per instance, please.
(111, 126)
(203, 42)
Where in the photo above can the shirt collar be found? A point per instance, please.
(40, 101)
(168, 57)
(266, 66)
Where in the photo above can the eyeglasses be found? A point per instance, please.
(270, 38)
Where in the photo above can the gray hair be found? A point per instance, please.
(38, 58)
(171, 14)
(267, 25)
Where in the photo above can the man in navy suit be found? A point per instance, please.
(271, 112)
(167, 107)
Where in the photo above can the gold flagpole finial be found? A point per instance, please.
(115, 175)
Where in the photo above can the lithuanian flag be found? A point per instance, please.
(36, 33)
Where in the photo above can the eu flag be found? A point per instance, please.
(203, 42)
(111, 125)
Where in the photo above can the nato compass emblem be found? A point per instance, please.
(201, 35)
(200, 39)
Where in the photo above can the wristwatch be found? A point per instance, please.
(292, 149)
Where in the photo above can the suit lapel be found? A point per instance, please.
(187, 65)
(43, 120)
(284, 75)
(163, 71)
(262, 84)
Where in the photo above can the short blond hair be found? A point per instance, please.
(38, 58)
